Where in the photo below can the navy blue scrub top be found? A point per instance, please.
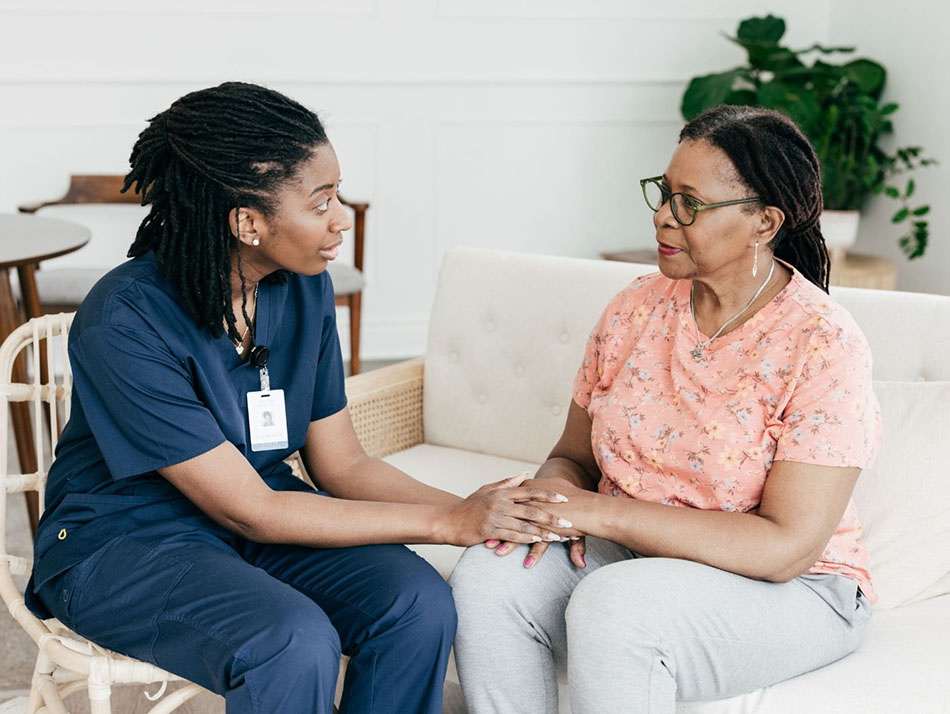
(153, 389)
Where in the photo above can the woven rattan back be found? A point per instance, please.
(41, 344)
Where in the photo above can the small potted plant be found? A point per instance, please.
(839, 108)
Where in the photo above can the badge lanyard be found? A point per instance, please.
(266, 412)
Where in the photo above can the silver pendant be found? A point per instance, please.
(697, 353)
(239, 349)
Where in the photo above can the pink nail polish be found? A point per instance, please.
(528, 562)
(584, 561)
(491, 543)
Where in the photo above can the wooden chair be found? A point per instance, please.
(106, 188)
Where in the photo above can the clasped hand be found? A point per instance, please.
(566, 511)
(513, 510)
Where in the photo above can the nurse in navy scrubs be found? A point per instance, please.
(174, 531)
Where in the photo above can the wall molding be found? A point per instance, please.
(590, 11)
(30, 78)
(191, 7)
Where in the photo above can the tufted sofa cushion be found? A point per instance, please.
(506, 336)
(508, 330)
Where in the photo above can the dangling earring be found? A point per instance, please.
(257, 241)
(755, 261)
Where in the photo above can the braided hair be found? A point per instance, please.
(212, 151)
(778, 163)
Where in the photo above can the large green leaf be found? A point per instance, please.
(767, 56)
(868, 75)
(794, 101)
(740, 96)
(708, 91)
(762, 29)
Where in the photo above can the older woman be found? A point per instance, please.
(721, 416)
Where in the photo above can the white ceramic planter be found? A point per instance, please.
(840, 229)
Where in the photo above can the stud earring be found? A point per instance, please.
(755, 260)
(257, 241)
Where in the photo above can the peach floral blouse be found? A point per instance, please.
(792, 383)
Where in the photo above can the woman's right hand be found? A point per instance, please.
(496, 511)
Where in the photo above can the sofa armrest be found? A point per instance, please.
(386, 407)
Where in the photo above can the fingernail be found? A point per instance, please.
(501, 551)
(565, 524)
(560, 497)
(528, 562)
(553, 536)
(536, 538)
(575, 537)
(583, 561)
(491, 542)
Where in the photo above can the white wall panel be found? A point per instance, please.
(566, 187)
(518, 123)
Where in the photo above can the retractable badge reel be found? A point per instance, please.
(266, 414)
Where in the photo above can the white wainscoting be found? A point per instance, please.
(522, 124)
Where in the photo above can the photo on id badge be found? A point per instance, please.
(267, 419)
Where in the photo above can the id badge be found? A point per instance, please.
(268, 420)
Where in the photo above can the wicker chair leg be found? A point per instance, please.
(50, 694)
(100, 686)
(42, 671)
(36, 699)
(100, 706)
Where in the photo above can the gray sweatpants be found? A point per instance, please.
(636, 634)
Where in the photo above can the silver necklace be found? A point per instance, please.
(697, 351)
(239, 344)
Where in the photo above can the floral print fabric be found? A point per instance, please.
(791, 383)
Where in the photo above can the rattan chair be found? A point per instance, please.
(66, 663)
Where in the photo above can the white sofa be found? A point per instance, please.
(489, 400)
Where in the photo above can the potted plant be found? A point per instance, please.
(838, 107)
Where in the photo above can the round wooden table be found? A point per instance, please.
(25, 241)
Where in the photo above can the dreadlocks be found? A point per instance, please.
(777, 162)
(212, 151)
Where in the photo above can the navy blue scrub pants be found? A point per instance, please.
(264, 625)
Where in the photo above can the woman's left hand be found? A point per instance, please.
(578, 510)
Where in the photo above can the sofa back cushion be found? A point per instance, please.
(508, 330)
(903, 500)
(506, 337)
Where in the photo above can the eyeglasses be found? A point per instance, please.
(684, 207)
